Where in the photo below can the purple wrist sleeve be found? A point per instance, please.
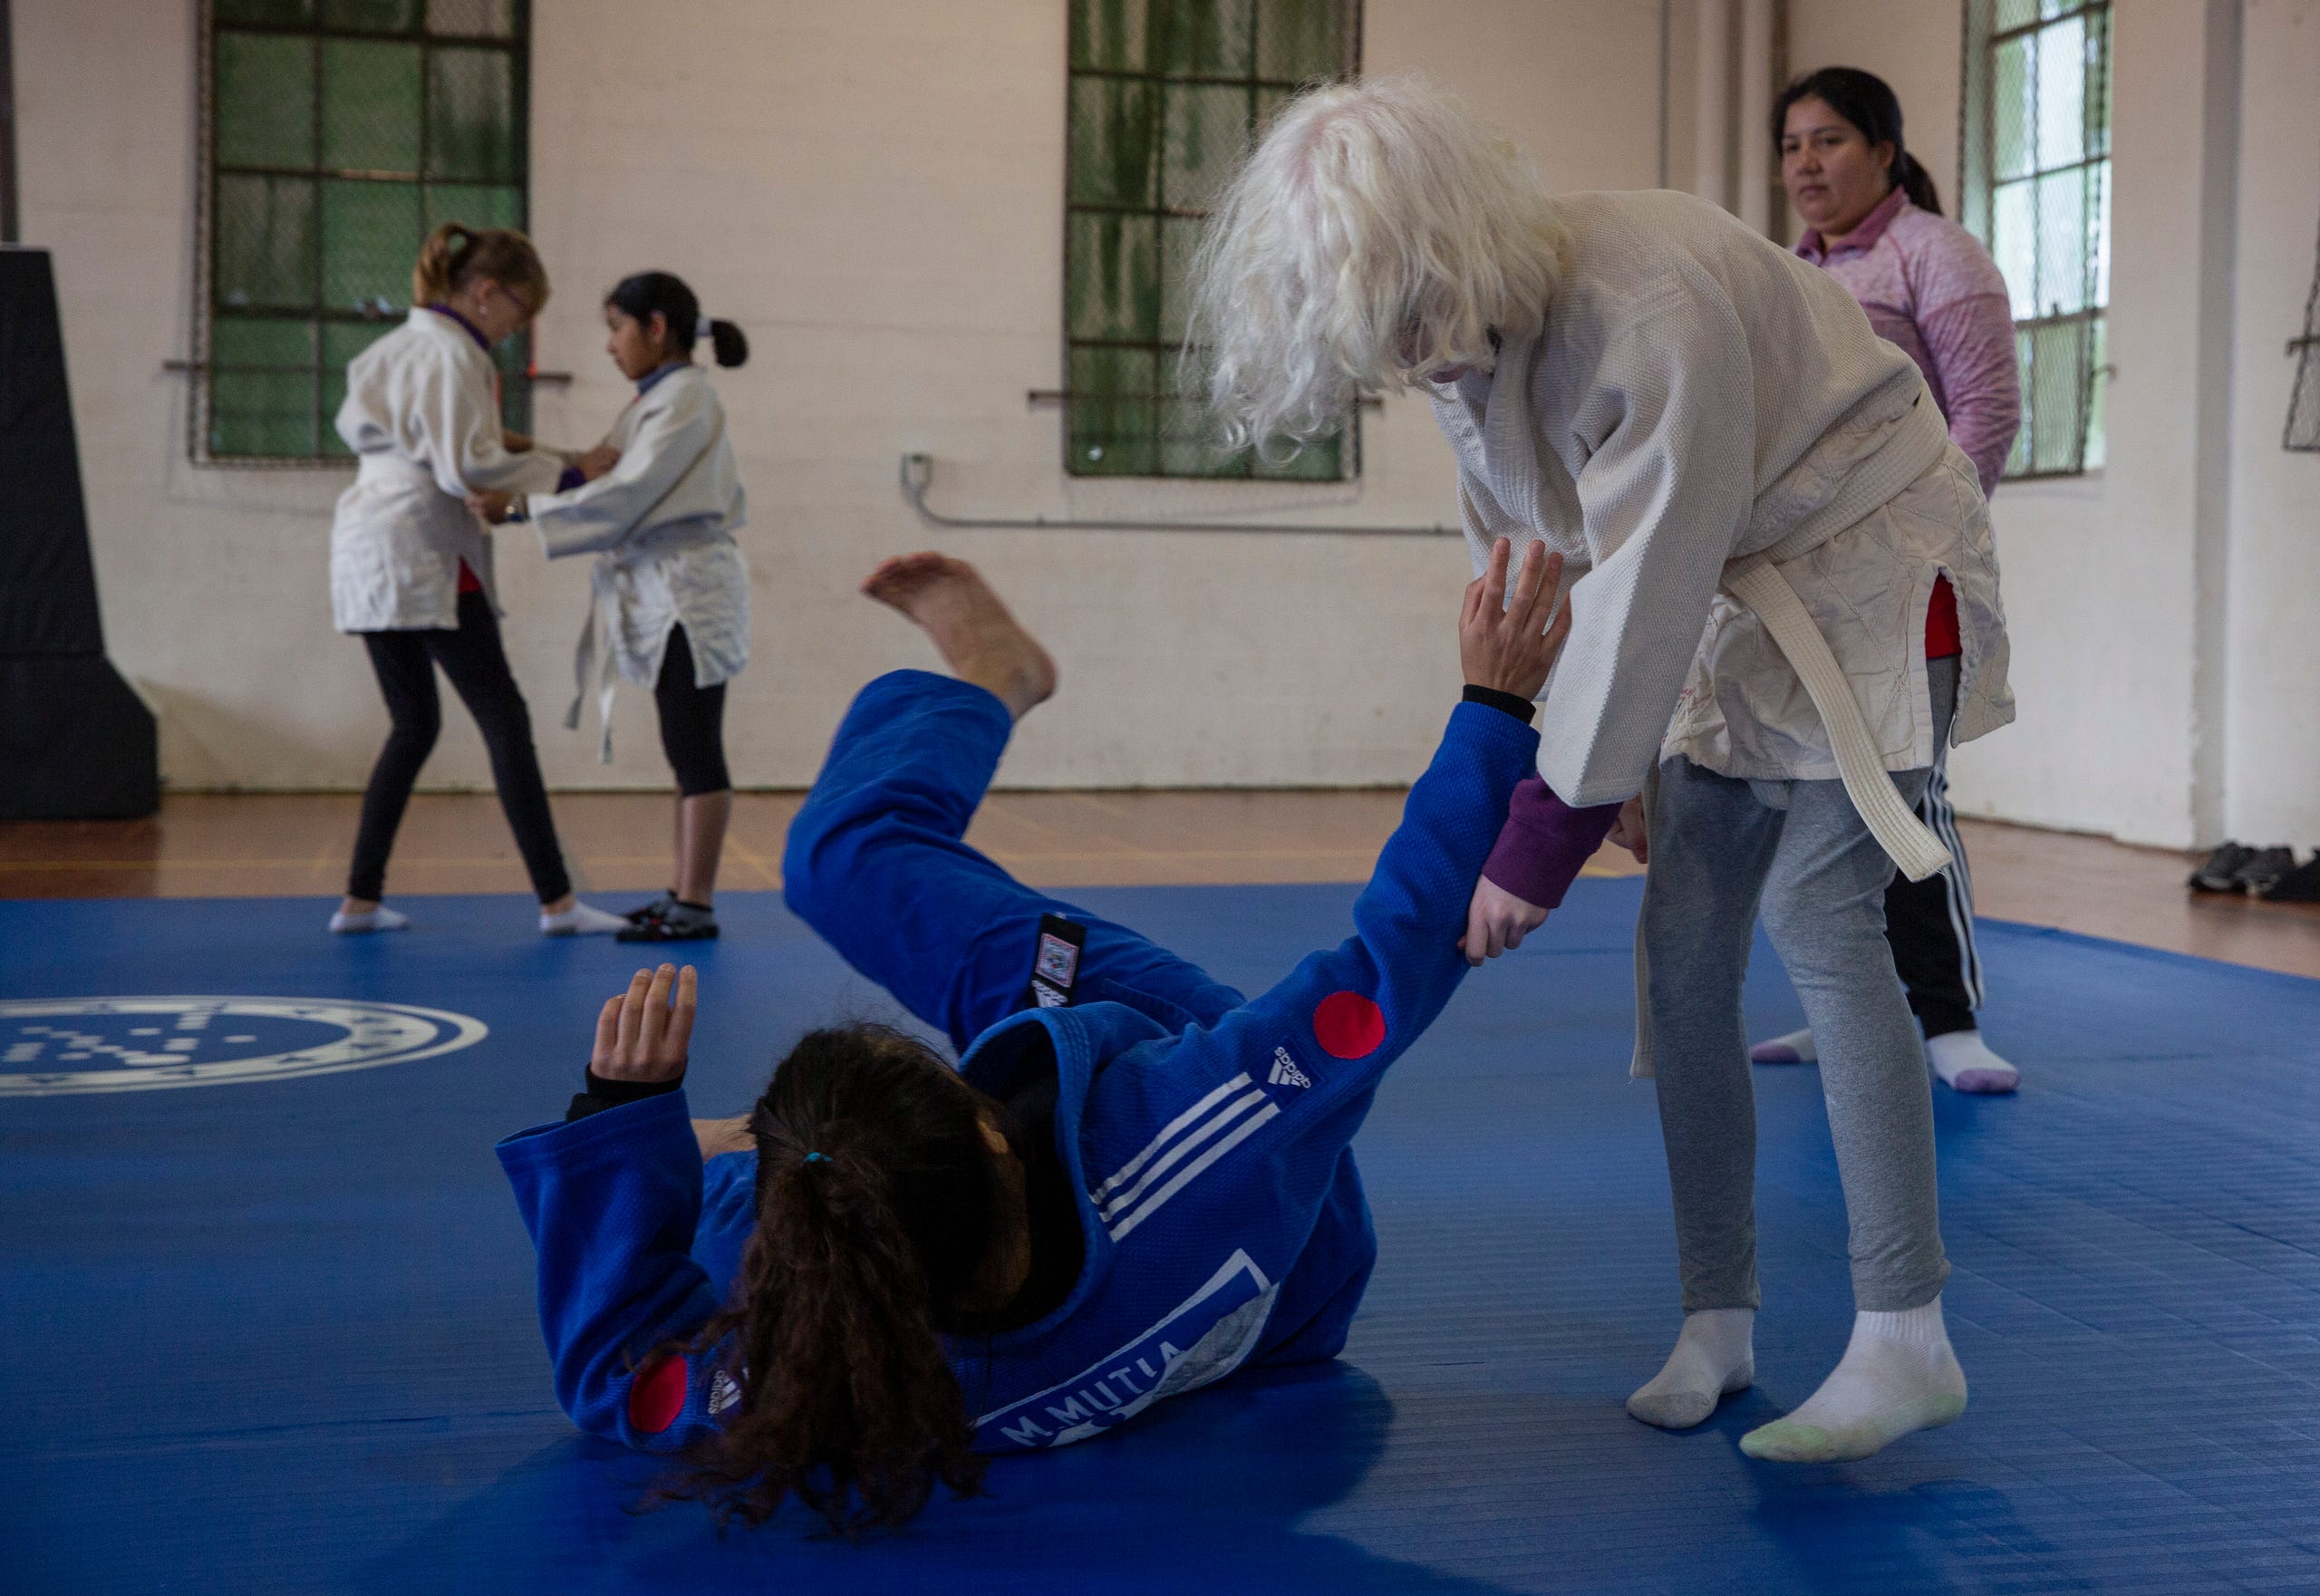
(569, 478)
(1545, 842)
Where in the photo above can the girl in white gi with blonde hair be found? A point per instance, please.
(668, 605)
(1758, 498)
(410, 565)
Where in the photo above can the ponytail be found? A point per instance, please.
(731, 344)
(440, 259)
(1916, 182)
(876, 1202)
(455, 255)
(664, 294)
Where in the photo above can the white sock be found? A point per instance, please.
(580, 920)
(381, 918)
(1965, 1064)
(1713, 1356)
(1795, 1048)
(1898, 1375)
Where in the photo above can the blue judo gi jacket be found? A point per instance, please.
(1224, 1218)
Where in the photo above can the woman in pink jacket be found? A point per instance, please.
(1875, 224)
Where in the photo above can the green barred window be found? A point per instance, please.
(339, 132)
(2037, 190)
(1164, 97)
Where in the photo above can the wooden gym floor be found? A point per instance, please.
(206, 845)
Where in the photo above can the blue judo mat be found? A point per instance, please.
(274, 1330)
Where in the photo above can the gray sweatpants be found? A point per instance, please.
(1722, 851)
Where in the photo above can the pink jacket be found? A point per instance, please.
(1930, 287)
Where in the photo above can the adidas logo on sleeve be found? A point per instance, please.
(1285, 1071)
(723, 1393)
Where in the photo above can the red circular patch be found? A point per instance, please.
(1348, 1025)
(657, 1395)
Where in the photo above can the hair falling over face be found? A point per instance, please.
(876, 1202)
(1378, 234)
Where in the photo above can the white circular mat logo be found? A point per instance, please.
(53, 1046)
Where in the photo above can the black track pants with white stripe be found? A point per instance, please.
(1930, 924)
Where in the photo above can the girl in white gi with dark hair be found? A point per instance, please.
(669, 597)
(1758, 498)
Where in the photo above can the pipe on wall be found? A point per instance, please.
(917, 474)
(1755, 206)
(1712, 128)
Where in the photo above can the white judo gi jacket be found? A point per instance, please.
(1698, 395)
(424, 421)
(661, 524)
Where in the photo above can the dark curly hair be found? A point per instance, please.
(877, 1203)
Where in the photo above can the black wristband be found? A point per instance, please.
(1512, 703)
(601, 1094)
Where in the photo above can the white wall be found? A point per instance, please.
(2272, 784)
(2161, 608)
(875, 192)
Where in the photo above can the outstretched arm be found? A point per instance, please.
(599, 514)
(1667, 488)
(1544, 845)
(1667, 491)
(1400, 966)
(611, 1199)
(458, 423)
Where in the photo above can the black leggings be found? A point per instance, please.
(477, 664)
(693, 723)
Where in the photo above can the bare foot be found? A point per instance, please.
(977, 638)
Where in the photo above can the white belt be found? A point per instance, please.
(394, 467)
(1919, 441)
(1757, 583)
(593, 664)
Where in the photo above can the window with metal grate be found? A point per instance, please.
(2035, 164)
(1165, 95)
(336, 134)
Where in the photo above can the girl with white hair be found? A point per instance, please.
(1759, 501)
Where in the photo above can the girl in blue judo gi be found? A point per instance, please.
(1136, 1182)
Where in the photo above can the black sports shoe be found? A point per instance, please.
(2264, 869)
(2222, 872)
(2299, 885)
(652, 911)
(679, 923)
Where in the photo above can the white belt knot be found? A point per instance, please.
(1757, 583)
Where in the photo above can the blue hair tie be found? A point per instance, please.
(817, 1157)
